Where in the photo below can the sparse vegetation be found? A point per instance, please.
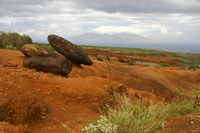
(101, 126)
(13, 40)
(130, 51)
(186, 60)
(138, 118)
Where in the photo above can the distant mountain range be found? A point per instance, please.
(108, 39)
(132, 41)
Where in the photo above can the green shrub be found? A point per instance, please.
(137, 118)
(13, 39)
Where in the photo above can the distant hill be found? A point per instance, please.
(108, 39)
(132, 41)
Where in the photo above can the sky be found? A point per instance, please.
(169, 21)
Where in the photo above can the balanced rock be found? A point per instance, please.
(53, 63)
(69, 50)
(32, 50)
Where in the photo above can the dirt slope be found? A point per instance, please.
(39, 102)
(183, 124)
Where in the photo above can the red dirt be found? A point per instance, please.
(141, 57)
(183, 124)
(38, 102)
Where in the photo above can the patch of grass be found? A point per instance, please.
(137, 118)
(130, 51)
(185, 59)
(181, 108)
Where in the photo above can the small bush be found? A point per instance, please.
(137, 118)
(13, 40)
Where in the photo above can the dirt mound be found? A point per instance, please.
(40, 102)
(183, 124)
(158, 80)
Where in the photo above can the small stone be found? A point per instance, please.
(57, 87)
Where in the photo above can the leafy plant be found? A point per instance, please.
(101, 126)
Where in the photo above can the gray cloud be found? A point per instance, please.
(163, 20)
(143, 6)
(33, 7)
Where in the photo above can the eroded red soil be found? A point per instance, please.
(39, 102)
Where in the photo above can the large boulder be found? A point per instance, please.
(53, 63)
(33, 50)
(69, 50)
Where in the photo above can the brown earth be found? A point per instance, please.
(37, 102)
(183, 124)
(140, 57)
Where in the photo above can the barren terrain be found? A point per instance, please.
(39, 102)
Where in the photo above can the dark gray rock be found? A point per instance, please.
(69, 50)
(53, 63)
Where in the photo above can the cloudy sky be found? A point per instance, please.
(171, 21)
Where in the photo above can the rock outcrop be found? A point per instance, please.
(53, 63)
(32, 50)
(69, 50)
